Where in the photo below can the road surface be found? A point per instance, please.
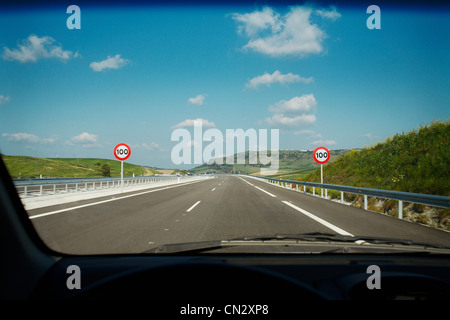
(221, 208)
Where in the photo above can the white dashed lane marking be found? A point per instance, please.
(190, 209)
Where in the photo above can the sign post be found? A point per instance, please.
(122, 152)
(321, 155)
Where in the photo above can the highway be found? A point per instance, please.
(221, 208)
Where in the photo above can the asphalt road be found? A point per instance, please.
(222, 208)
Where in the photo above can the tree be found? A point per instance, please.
(106, 171)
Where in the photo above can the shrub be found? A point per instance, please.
(106, 170)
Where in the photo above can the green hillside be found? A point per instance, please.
(417, 161)
(33, 167)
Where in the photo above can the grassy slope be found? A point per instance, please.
(417, 161)
(32, 167)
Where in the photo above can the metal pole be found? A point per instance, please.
(400, 209)
(321, 180)
(121, 174)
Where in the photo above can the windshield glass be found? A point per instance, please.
(127, 128)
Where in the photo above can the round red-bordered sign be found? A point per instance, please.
(321, 155)
(122, 151)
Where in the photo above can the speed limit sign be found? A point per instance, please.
(122, 151)
(321, 155)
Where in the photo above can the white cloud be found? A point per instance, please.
(198, 100)
(28, 138)
(4, 99)
(304, 104)
(115, 62)
(21, 137)
(369, 136)
(331, 14)
(294, 113)
(153, 146)
(254, 22)
(190, 123)
(91, 145)
(323, 142)
(85, 139)
(291, 121)
(48, 140)
(279, 35)
(267, 79)
(311, 134)
(34, 48)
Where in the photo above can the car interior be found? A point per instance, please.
(262, 282)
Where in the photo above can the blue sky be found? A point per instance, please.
(134, 75)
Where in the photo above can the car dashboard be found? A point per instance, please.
(263, 278)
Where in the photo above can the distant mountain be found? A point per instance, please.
(290, 161)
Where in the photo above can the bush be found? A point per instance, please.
(390, 207)
(106, 170)
(333, 194)
(423, 219)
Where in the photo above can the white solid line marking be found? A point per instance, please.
(109, 200)
(325, 223)
(246, 181)
(189, 210)
(272, 195)
(213, 189)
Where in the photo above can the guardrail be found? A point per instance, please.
(432, 200)
(39, 187)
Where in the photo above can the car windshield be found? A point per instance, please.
(295, 127)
